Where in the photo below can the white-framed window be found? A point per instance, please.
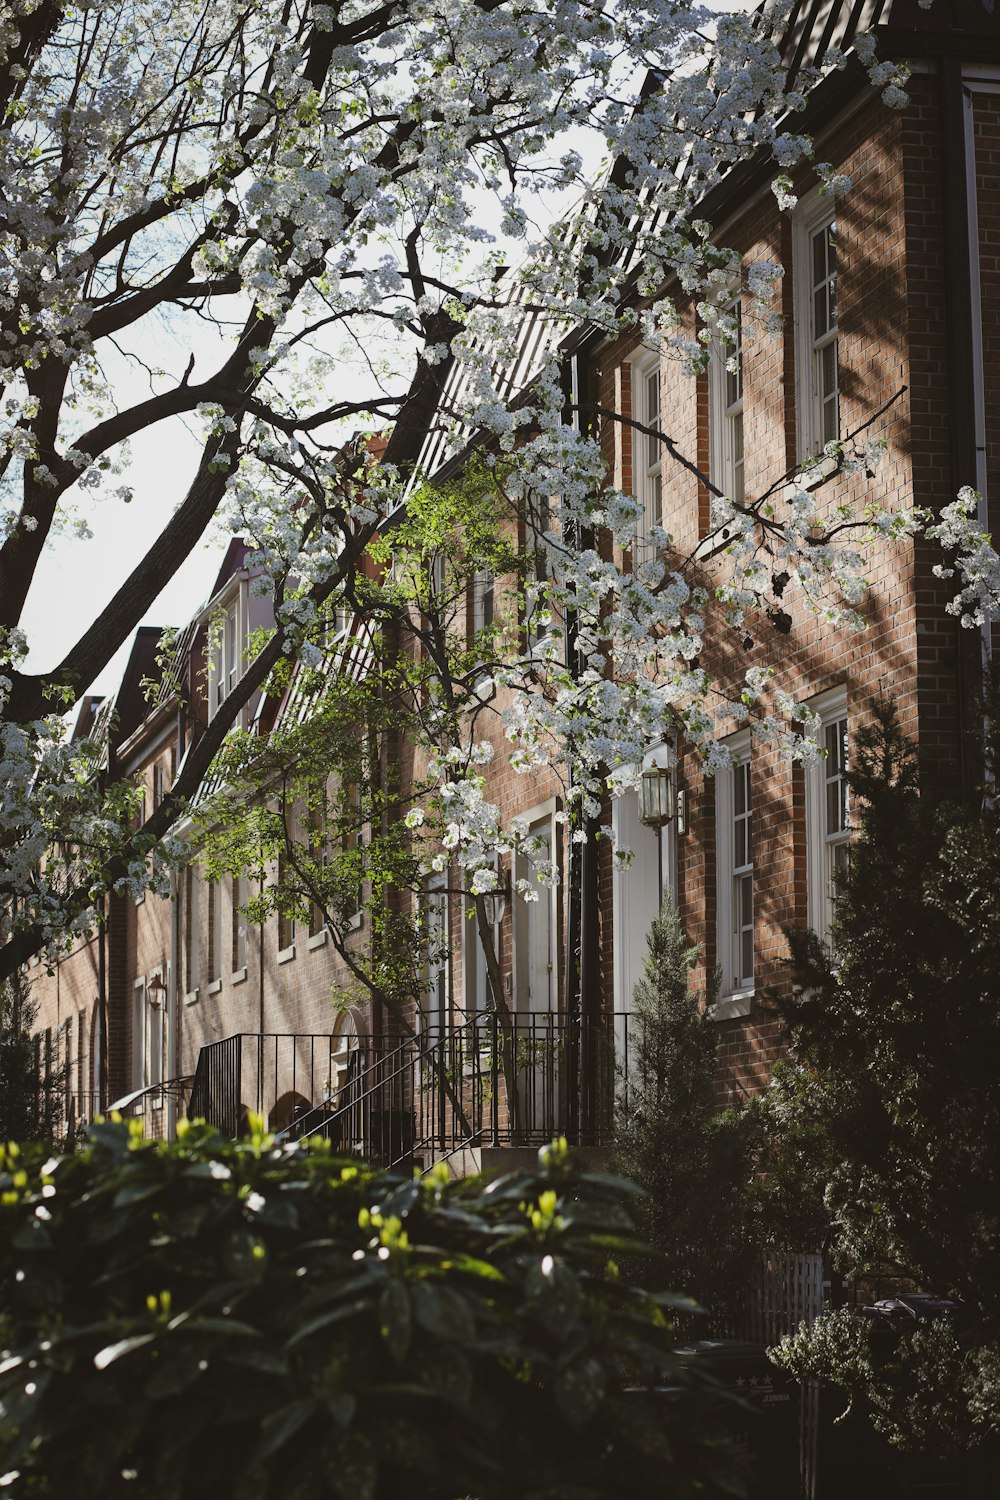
(647, 451)
(286, 922)
(225, 664)
(351, 846)
(816, 327)
(734, 871)
(536, 922)
(240, 896)
(139, 1036)
(725, 399)
(828, 811)
(538, 610)
(483, 601)
(156, 1013)
(214, 934)
(192, 932)
(320, 850)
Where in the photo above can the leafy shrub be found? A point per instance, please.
(234, 1318)
(929, 1390)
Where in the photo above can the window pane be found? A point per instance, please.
(655, 516)
(652, 416)
(819, 241)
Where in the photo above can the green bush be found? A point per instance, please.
(236, 1319)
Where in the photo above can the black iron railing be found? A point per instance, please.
(426, 1097)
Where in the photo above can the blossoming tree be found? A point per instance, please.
(300, 176)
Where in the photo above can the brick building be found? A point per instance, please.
(889, 305)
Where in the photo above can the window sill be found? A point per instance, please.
(740, 1003)
(812, 473)
(238, 975)
(353, 923)
(316, 940)
(716, 541)
(285, 955)
(191, 998)
(214, 986)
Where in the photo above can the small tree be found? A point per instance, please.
(30, 1084)
(670, 1136)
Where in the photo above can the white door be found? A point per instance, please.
(635, 905)
(541, 967)
(538, 1035)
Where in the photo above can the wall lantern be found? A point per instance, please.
(495, 902)
(156, 990)
(656, 796)
(661, 800)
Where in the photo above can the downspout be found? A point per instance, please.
(260, 1006)
(963, 345)
(173, 1012)
(589, 985)
(976, 346)
(102, 1008)
(571, 971)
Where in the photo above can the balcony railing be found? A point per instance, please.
(425, 1097)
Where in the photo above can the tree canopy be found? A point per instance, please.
(273, 184)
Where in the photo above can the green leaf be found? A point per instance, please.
(443, 1312)
(326, 1320)
(279, 1427)
(342, 1408)
(249, 1358)
(135, 1192)
(112, 1352)
(395, 1319)
(171, 1377)
(579, 1390)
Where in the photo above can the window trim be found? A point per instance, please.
(192, 933)
(221, 669)
(644, 473)
(812, 214)
(538, 523)
(735, 998)
(215, 948)
(239, 893)
(139, 1059)
(831, 707)
(721, 463)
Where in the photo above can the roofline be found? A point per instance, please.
(148, 726)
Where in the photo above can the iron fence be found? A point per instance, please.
(489, 1081)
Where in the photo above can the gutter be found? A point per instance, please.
(964, 363)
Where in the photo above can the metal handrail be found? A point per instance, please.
(434, 1093)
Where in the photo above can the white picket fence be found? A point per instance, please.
(788, 1290)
